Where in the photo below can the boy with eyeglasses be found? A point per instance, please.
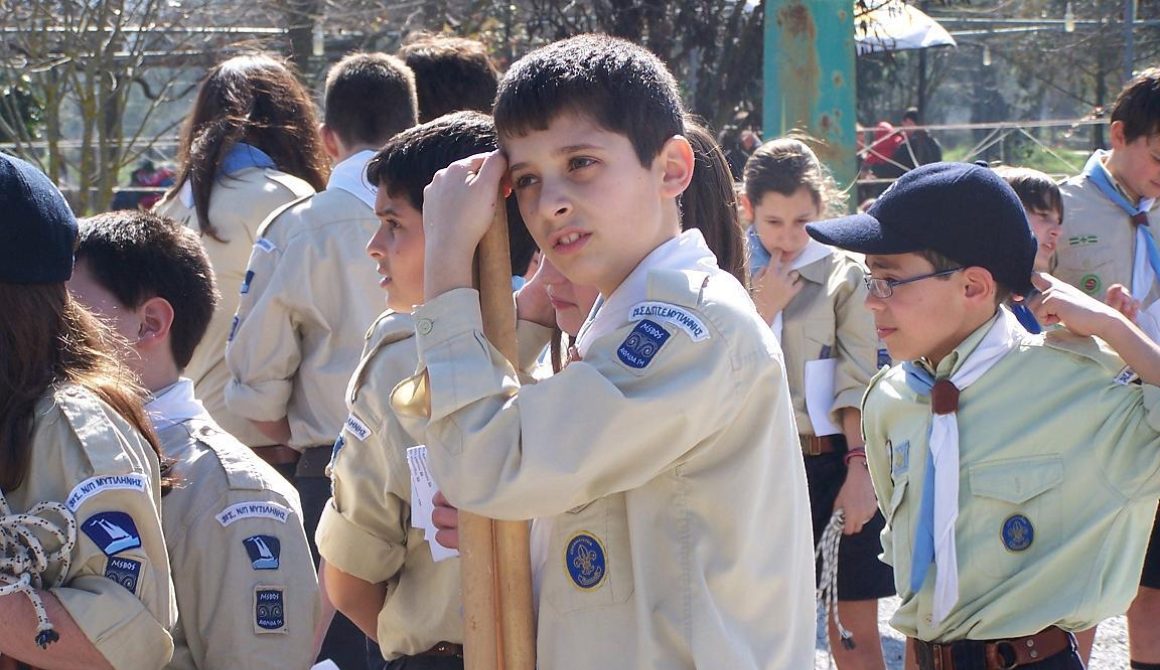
(974, 439)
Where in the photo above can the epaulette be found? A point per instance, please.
(390, 327)
(279, 211)
(89, 420)
(1091, 348)
(878, 376)
(679, 287)
(239, 466)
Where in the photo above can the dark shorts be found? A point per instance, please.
(1150, 575)
(861, 576)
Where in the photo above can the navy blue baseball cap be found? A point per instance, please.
(38, 232)
(962, 211)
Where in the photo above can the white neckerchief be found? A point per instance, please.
(351, 176)
(944, 447)
(175, 404)
(686, 251)
(1143, 276)
(814, 251)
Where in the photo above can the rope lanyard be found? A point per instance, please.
(827, 551)
(24, 558)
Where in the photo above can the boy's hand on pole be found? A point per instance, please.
(459, 205)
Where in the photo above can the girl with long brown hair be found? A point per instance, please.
(80, 476)
(249, 146)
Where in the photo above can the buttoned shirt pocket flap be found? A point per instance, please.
(1016, 481)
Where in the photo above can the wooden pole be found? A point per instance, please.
(499, 631)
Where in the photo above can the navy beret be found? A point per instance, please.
(962, 211)
(38, 231)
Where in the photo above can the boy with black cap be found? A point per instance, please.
(973, 440)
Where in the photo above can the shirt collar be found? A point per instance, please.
(175, 404)
(350, 175)
(952, 361)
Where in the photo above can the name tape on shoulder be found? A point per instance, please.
(265, 245)
(94, 485)
(253, 510)
(691, 324)
(357, 427)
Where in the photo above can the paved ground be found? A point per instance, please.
(1110, 653)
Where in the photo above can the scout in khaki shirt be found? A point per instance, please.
(665, 455)
(81, 480)
(379, 570)
(975, 441)
(246, 588)
(238, 165)
(811, 295)
(1108, 248)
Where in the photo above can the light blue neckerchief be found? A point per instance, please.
(758, 257)
(242, 156)
(1095, 171)
(921, 382)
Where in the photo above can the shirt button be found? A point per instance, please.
(424, 326)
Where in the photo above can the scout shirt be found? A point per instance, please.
(1059, 476)
(828, 319)
(1097, 245)
(365, 529)
(666, 457)
(247, 592)
(238, 204)
(309, 294)
(117, 589)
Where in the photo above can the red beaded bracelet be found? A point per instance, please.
(854, 453)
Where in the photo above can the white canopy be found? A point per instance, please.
(893, 25)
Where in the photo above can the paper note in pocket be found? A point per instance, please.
(423, 489)
(820, 395)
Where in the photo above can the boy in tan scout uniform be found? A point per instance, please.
(976, 439)
(245, 584)
(249, 146)
(378, 568)
(812, 296)
(679, 534)
(1108, 249)
(81, 480)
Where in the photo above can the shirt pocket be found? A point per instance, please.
(590, 559)
(1015, 515)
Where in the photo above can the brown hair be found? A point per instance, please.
(369, 98)
(452, 74)
(1138, 105)
(254, 99)
(786, 164)
(709, 204)
(1036, 190)
(55, 341)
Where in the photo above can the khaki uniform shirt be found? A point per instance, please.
(1049, 441)
(828, 319)
(310, 293)
(1098, 243)
(239, 203)
(117, 588)
(247, 591)
(668, 461)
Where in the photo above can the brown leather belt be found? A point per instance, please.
(277, 454)
(444, 649)
(994, 654)
(812, 445)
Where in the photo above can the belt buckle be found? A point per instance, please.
(811, 445)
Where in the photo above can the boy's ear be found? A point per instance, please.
(1116, 134)
(156, 323)
(330, 142)
(979, 284)
(746, 206)
(676, 162)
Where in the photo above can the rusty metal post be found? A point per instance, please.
(809, 78)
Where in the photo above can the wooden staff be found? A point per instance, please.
(499, 630)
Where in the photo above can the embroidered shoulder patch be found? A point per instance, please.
(584, 560)
(264, 551)
(637, 350)
(357, 427)
(94, 485)
(1126, 376)
(113, 532)
(693, 326)
(253, 510)
(246, 282)
(265, 245)
(124, 571)
(269, 610)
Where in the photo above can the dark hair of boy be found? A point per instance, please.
(1138, 105)
(624, 89)
(409, 161)
(369, 98)
(710, 202)
(256, 99)
(138, 255)
(451, 74)
(911, 114)
(1037, 191)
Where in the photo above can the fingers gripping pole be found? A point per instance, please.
(24, 558)
(508, 578)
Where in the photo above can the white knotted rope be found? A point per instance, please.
(827, 551)
(24, 559)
